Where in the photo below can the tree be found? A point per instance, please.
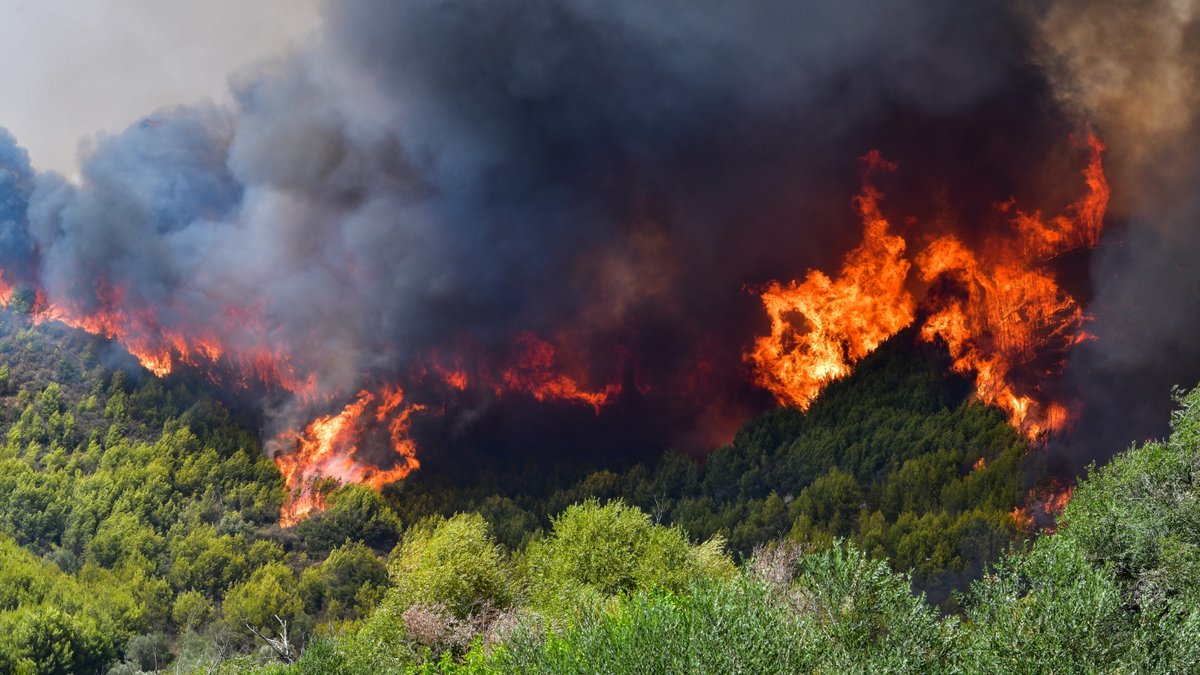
(270, 592)
(601, 551)
(44, 639)
(352, 513)
(348, 584)
(452, 562)
(190, 610)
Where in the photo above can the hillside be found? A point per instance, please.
(894, 458)
(139, 515)
(1113, 591)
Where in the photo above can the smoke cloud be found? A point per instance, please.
(437, 180)
(1134, 69)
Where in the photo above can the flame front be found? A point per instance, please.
(160, 350)
(1010, 313)
(328, 448)
(821, 327)
(996, 306)
(1000, 311)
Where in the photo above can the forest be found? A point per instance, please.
(896, 526)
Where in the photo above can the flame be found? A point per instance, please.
(455, 376)
(456, 379)
(161, 350)
(1011, 314)
(1022, 518)
(1057, 499)
(821, 327)
(535, 373)
(996, 306)
(1042, 506)
(328, 447)
(6, 290)
(1008, 320)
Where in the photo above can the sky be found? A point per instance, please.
(76, 68)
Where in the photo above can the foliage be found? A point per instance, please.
(599, 551)
(354, 513)
(454, 563)
(270, 594)
(138, 529)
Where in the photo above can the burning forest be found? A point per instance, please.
(1000, 312)
(431, 215)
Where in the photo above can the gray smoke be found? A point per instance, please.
(447, 175)
(1134, 69)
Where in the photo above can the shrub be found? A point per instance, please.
(599, 551)
(454, 563)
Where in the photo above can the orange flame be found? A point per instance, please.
(1012, 312)
(160, 350)
(1008, 316)
(1057, 500)
(1043, 505)
(535, 373)
(1022, 518)
(328, 448)
(820, 328)
(6, 290)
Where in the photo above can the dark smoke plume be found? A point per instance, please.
(444, 177)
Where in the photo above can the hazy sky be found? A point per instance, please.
(73, 68)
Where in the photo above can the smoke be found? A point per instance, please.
(1134, 69)
(16, 182)
(435, 180)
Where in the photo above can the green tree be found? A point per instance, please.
(270, 592)
(347, 584)
(452, 562)
(352, 513)
(601, 551)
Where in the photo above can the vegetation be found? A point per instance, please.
(894, 458)
(1113, 591)
(138, 533)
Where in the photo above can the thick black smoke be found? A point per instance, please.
(609, 175)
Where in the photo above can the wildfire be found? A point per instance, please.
(161, 350)
(996, 305)
(1022, 518)
(822, 327)
(6, 290)
(329, 448)
(1043, 505)
(1010, 313)
(1000, 311)
(535, 373)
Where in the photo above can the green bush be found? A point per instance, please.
(599, 551)
(269, 593)
(452, 562)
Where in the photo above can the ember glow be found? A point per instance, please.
(536, 373)
(999, 310)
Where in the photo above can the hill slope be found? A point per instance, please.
(137, 515)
